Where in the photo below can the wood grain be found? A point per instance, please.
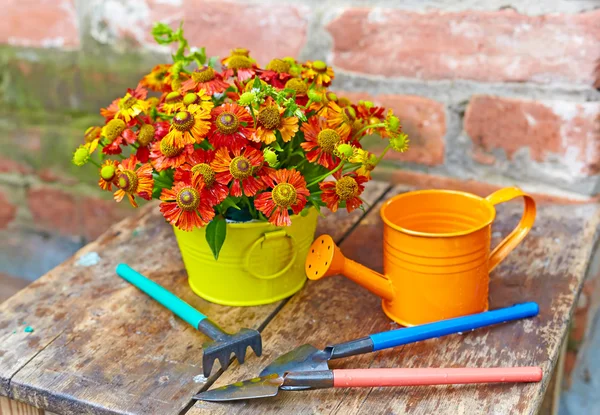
(10, 407)
(102, 347)
(548, 267)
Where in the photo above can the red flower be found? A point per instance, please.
(206, 78)
(230, 127)
(199, 162)
(117, 133)
(108, 174)
(347, 188)
(239, 169)
(184, 207)
(128, 107)
(289, 192)
(321, 141)
(239, 64)
(146, 135)
(164, 155)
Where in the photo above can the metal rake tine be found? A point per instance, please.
(240, 353)
(207, 365)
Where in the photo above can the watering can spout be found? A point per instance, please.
(325, 259)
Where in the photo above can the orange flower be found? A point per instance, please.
(133, 181)
(270, 119)
(238, 169)
(289, 192)
(318, 72)
(164, 156)
(117, 134)
(184, 207)
(321, 141)
(155, 80)
(346, 188)
(173, 101)
(128, 107)
(276, 73)
(230, 127)
(199, 162)
(108, 174)
(340, 117)
(206, 78)
(188, 127)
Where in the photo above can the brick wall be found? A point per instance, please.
(496, 91)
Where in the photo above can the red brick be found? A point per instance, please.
(423, 119)
(41, 23)
(550, 129)
(275, 30)
(428, 181)
(479, 45)
(54, 210)
(99, 215)
(8, 211)
(12, 166)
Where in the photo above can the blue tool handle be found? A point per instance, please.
(182, 309)
(407, 335)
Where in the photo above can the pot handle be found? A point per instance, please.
(271, 235)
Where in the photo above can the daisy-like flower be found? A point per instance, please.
(184, 207)
(277, 73)
(270, 119)
(367, 161)
(92, 136)
(200, 98)
(238, 169)
(108, 174)
(347, 188)
(321, 141)
(340, 117)
(128, 107)
(207, 79)
(235, 52)
(117, 134)
(300, 88)
(188, 127)
(318, 72)
(155, 80)
(231, 126)
(133, 181)
(164, 155)
(173, 102)
(146, 135)
(240, 65)
(288, 192)
(199, 162)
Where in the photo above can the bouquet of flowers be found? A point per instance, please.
(229, 140)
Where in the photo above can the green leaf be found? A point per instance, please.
(256, 84)
(275, 144)
(216, 231)
(229, 203)
(163, 34)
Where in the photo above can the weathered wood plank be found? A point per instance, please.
(548, 267)
(99, 345)
(10, 407)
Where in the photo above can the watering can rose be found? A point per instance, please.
(232, 140)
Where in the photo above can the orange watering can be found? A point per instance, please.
(436, 254)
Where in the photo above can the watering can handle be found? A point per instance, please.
(266, 236)
(516, 236)
(398, 337)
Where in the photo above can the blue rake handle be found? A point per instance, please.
(182, 309)
(407, 335)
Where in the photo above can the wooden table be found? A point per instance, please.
(102, 347)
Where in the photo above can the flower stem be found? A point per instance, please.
(326, 175)
(95, 163)
(385, 150)
(365, 128)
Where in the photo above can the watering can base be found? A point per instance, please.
(387, 309)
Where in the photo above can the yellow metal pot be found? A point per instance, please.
(259, 263)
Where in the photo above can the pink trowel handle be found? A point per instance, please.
(347, 378)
